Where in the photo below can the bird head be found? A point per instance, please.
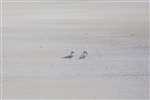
(84, 51)
(72, 52)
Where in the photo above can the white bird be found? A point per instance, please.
(83, 55)
(70, 55)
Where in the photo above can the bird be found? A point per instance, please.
(83, 55)
(70, 55)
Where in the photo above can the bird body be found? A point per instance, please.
(83, 55)
(70, 55)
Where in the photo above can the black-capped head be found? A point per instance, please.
(72, 52)
(85, 52)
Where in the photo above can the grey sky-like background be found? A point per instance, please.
(115, 34)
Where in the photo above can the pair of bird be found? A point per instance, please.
(82, 56)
